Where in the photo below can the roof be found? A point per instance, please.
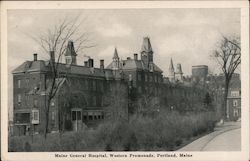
(115, 54)
(131, 64)
(31, 66)
(43, 66)
(146, 45)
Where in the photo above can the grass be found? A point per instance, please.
(166, 132)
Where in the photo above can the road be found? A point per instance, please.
(228, 141)
(226, 137)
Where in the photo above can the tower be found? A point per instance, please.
(146, 52)
(70, 55)
(116, 61)
(179, 73)
(171, 71)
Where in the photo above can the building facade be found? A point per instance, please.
(234, 104)
(87, 96)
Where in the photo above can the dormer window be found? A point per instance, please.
(68, 61)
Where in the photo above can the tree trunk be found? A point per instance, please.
(224, 105)
(46, 118)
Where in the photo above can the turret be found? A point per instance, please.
(116, 61)
(146, 52)
(179, 73)
(70, 55)
(171, 74)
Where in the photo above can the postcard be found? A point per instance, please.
(124, 80)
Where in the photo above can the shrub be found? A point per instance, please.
(142, 133)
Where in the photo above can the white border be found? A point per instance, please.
(244, 5)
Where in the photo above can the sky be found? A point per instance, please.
(188, 36)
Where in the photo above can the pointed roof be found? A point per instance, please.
(146, 45)
(171, 66)
(115, 54)
(70, 51)
(31, 66)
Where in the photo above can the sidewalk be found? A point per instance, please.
(201, 143)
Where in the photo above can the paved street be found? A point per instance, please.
(226, 137)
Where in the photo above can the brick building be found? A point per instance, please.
(234, 104)
(81, 97)
(87, 95)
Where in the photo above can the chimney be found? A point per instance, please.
(52, 56)
(91, 63)
(101, 64)
(135, 56)
(35, 56)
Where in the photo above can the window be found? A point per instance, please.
(35, 102)
(86, 83)
(53, 116)
(139, 77)
(156, 78)
(236, 113)
(19, 83)
(94, 100)
(235, 103)
(79, 117)
(235, 93)
(35, 116)
(151, 78)
(27, 98)
(22, 117)
(101, 86)
(73, 115)
(151, 67)
(76, 115)
(89, 84)
(156, 90)
(139, 89)
(19, 98)
(68, 61)
(84, 117)
(27, 81)
(94, 85)
(130, 77)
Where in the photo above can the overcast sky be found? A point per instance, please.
(188, 36)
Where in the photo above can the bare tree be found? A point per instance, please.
(54, 41)
(228, 56)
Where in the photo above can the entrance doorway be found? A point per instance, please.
(76, 117)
